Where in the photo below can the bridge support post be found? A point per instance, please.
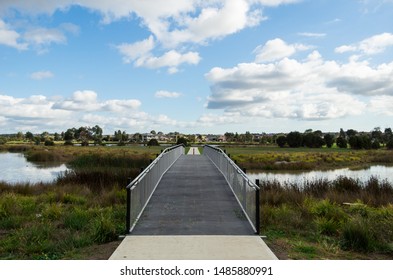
(128, 215)
(257, 208)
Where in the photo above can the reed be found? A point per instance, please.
(346, 214)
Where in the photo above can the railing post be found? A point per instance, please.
(128, 214)
(257, 208)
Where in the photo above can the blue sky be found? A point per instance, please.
(196, 66)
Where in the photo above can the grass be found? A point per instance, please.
(82, 209)
(330, 220)
(274, 158)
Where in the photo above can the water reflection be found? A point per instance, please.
(379, 171)
(14, 168)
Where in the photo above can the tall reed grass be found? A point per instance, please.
(83, 207)
(344, 212)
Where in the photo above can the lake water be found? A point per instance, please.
(14, 168)
(379, 171)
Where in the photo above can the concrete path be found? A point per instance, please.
(193, 248)
(193, 151)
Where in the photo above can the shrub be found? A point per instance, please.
(76, 219)
(104, 230)
(153, 142)
(327, 226)
(49, 143)
(357, 236)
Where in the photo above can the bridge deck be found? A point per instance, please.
(193, 198)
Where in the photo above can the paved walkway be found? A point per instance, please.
(193, 151)
(193, 248)
(193, 198)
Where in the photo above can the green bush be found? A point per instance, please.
(327, 226)
(356, 235)
(104, 229)
(76, 219)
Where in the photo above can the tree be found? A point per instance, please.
(83, 135)
(29, 136)
(375, 144)
(44, 136)
(281, 141)
(69, 135)
(182, 140)
(342, 142)
(294, 139)
(97, 134)
(360, 142)
(329, 140)
(229, 136)
(377, 134)
(57, 136)
(389, 144)
(20, 136)
(351, 132)
(388, 135)
(153, 142)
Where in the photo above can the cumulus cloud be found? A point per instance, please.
(10, 38)
(175, 25)
(370, 46)
(40, 75)
(226, 16)
(382, 105)
(167, 94)
(38, 37)
(140, 55)
(276, 49)
(136, 50)
(84, 108)
(171, 59)
(308, 89)
(87, 101)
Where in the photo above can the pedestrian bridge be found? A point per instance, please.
(192, 207)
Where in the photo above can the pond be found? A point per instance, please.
(363, 175)
(14, 168)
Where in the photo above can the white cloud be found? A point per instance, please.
(40, 75)
(226, 16)
(370, 46)
(87, 101)
(277, 49)
(39, 113)
(136, 50)
(310, 34)
(382, 105)
(38, 37)
(309, 89)
(9, 37)
(171, 59)
(167, 94)
(274, 3)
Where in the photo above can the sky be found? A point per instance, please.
(196, 66)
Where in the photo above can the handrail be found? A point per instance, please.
(245, 190)
(238, 169)
(141, 189)
(150, 166)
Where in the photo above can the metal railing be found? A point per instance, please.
(140, 190)
(244, 189)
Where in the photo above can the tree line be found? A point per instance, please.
(344, 139)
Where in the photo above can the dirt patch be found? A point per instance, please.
(100, 252)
